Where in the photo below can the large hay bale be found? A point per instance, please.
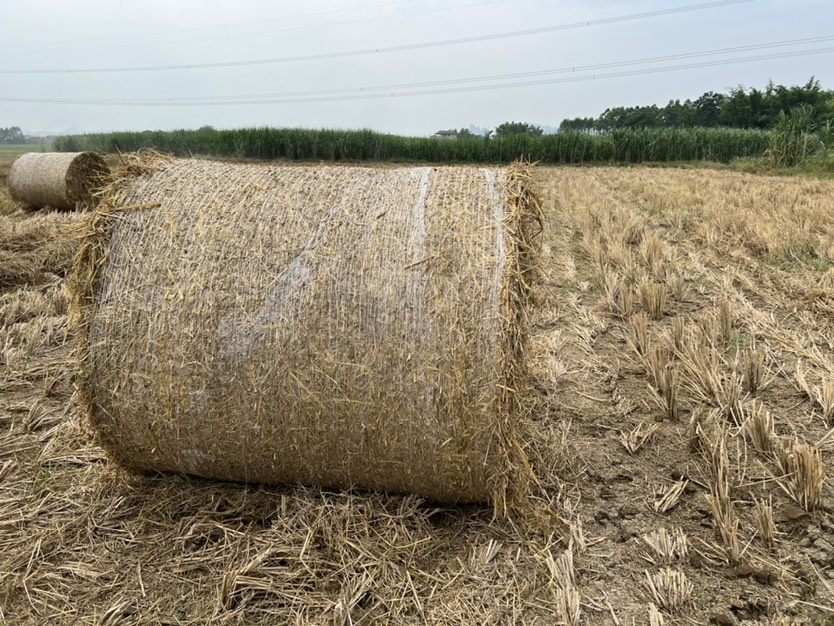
(61, 180)
(335, 326)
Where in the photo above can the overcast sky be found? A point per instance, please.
(352, 40)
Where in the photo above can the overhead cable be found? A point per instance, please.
(382, 50)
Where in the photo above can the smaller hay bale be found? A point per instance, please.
(61, 180)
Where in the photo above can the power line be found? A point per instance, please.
(239, 99)
(389, 49)
(425, 92)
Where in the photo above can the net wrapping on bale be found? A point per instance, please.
(61, 180)
(334, 326)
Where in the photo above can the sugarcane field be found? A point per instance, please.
(606, 399)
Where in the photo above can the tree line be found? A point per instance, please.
(739, 107)
(11, 135)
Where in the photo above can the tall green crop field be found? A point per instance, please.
(629, 146)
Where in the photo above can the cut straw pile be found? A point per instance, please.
(58, 180)
(336, 326)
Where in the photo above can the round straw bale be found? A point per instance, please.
(61, 180)
(335, 326)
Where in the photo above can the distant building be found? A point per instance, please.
(445, 134)
(41, 138)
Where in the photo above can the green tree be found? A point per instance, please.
(582, 124)
(630, 117)
(509, 129)
(465, 133)
(739, 107)
(611, 119)
(780, 98)
(11, 135)
(742, 109)
(678, 115)
(708, 109)
(755, 108)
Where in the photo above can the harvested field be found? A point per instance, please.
(683, 374)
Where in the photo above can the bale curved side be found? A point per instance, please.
(332, 326)
(61, 180)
